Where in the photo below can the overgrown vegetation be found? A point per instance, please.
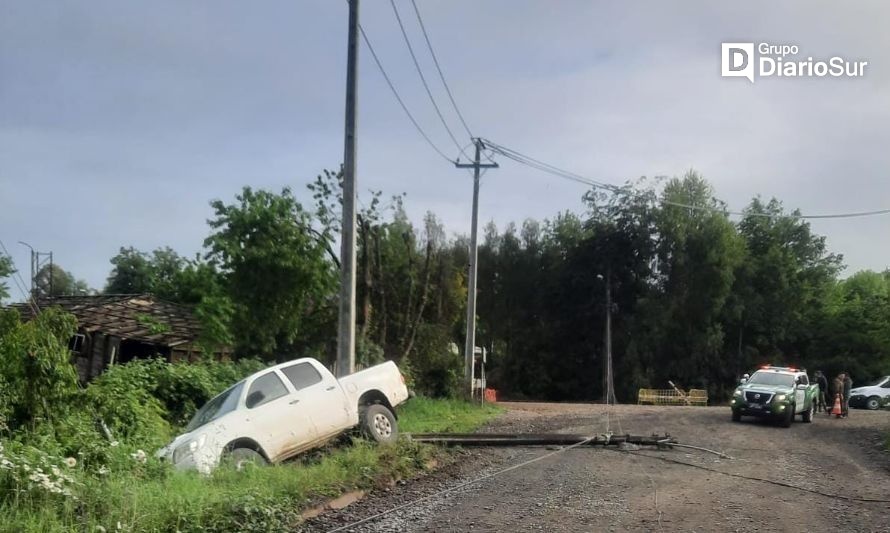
(81, 459)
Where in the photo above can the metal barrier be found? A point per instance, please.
(697, 397)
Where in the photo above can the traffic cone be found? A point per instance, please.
(836, 410)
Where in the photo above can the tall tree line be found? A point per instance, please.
(698, 298)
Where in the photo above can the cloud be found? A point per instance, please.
(119, 122)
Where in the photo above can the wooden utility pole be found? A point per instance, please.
(470, 346)
(346, 323)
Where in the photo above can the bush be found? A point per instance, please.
(38, 379)
(435, 369)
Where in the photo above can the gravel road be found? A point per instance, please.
(592, 489)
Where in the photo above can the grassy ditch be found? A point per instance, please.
(133, 492)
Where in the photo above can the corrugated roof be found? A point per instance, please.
(140, 317)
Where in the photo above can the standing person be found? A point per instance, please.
(823, 391)
(837, 391)
(848, 386)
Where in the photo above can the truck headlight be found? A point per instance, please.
(781, 397)
(188, 448)
(737, 393)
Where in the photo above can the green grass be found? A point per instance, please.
(425, 415)
(154, 498)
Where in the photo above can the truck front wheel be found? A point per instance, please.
(378, 423)
(736, 416)
(809, 413)
(789, 417)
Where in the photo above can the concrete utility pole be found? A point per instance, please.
(346, 324)
(470, 346)
(609, 393)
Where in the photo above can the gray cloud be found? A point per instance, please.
(119, 122)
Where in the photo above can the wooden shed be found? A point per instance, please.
(117, 328)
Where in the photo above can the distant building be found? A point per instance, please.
(117, 328)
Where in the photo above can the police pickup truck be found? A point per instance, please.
(779, 393)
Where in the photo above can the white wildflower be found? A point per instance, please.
(114, 444)
(139, 456)
(6, 464)
(56, 471)
(103, 470)
(71, 462)
(99, 529)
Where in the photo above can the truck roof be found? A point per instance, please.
(781, 369)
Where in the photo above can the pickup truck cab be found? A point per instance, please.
(780, 393)
(871, 396)
(287, 409)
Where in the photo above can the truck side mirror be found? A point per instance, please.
(743, 381)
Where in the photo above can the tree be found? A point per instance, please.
(275, 271)
(53, 280)
(699, 251)
(136, 272)
(6, 270)
(781, 287)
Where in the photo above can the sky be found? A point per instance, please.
(121, 121)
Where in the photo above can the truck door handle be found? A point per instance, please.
(292, 402)
(331, 388)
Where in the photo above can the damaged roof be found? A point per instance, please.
(140, 317)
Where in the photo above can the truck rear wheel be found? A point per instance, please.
(378, 423)
(873, 402)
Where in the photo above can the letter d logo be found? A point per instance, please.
(737, 60)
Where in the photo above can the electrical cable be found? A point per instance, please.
(399, 98)
(765, 480)
(462, 485)
(439, 69)
(426, 86)
(545, 167)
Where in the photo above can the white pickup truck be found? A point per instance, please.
(287, 409)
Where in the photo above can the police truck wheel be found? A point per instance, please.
(808, 414)
(789, 418)
(873, 403)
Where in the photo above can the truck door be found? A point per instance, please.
(321, 398)
(800, 392)
(274, 417)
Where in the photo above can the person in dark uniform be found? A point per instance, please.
(837, 392)
(848, 386)
(821, 398)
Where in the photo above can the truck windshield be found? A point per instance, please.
(772, 378)
(217, 407)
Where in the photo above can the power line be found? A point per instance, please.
(556, 171)
(399, 98)
(439, 69)
(426, 86)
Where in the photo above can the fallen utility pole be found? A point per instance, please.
(545, 439)
(470, 346)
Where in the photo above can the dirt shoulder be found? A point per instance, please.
(589, 489)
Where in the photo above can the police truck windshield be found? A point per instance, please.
(772, 378)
